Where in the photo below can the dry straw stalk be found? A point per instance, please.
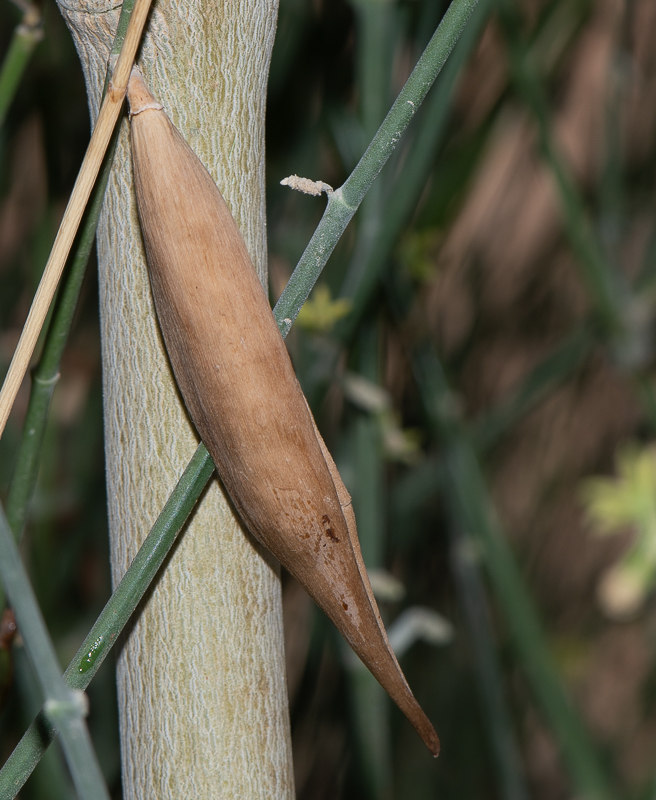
(241, 392)
(93, 158)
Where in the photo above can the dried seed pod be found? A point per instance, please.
(241, 392)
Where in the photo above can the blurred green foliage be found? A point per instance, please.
(480, 345)
(626, 503)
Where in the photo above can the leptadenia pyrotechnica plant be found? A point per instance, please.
(239, 386)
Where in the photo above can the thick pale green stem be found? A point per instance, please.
(201, 674)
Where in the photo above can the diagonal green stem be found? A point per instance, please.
(45, 375)
(116, 613)
(406, 190)
(604, 284)
(64, 707)
(23, 41)
(466, 492)
(114, 616)
(342, 204)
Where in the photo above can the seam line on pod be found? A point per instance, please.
(147, 107)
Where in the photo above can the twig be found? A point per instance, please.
(344, 202)
(197, 474)
(63, 706)
(102, 133)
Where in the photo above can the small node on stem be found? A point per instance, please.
(306, 186)
(77, 706)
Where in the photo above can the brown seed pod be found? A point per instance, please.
(241, 392)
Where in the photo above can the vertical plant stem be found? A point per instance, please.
(473, 601)
(370, 701)
(467, 495)
(200, 729)
(344, 202)
(93, 159)
(114, 616)
(23, 41)
(188, 490)
(62, 705)
(376, 34)
(604, 284)
(375, 29)
(119, 609)
(45, 375)
(404, 193)
(35, 742)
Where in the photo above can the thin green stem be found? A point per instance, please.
(344, 202)
(466, 492)
(117, 611)
(365, 270)
(45, 375)
(63, 707)
(549, 373)
(370, 703)
(407, 103)
(474, 604)
(25, 38)
(114, 616)
(375, 29)
(604, 284)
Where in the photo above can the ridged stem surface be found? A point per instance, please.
(201, 673)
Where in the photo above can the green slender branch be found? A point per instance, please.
(549, 373)
(114, 616)
(369, 701)
(63, 707)
(474, 603)
(365, 269)
(25, 38)
(407, 103)
(344, 202)
(198, 472)
(377, 31)
(603, 282)
(117, 611)
(466, 492)
(45, 375)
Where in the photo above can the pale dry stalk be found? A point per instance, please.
(102, 133)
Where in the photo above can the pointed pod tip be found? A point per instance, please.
(428, 735)
(139, 96)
